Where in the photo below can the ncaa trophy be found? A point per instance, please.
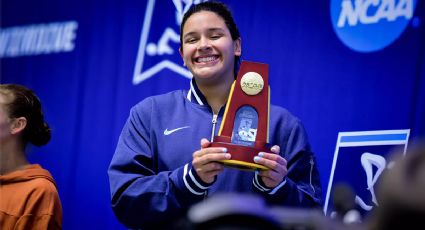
(244, 130)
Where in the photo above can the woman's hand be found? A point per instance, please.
(276, 164)
(205, 161)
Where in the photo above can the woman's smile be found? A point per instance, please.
(208, 48)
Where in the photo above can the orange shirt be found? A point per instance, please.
(29, 200)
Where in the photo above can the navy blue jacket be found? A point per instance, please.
(151, 176)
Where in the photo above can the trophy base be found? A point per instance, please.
(242, 156)
(242, 165)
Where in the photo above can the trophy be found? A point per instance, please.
(244, 130)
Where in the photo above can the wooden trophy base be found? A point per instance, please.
(242, 156)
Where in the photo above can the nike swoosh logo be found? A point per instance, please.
(168, 132)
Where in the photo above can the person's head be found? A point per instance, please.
(21, 116)
(401, 192)
(210, 43)
(343, 198)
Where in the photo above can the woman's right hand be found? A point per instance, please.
(205, 161)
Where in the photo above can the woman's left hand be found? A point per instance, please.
(276, 164)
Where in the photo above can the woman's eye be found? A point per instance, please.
(215, 37)
(191, 40)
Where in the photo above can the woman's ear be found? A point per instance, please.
(18, 125)
(237, 47)
(181, 54)
(181, 51)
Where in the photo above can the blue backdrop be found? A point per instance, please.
(90, 61)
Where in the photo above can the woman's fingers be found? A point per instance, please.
(277, 167)
(272, 161)
(205, 143)
(275, 149)
(204, 156)
(271, 175)
(206, 161)
(212, 167)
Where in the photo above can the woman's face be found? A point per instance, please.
(208, 49)
(4, 119)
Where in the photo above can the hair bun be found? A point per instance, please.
(41, 135)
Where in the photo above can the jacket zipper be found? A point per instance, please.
(214, 122)
(311, 172)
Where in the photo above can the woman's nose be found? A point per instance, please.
(204, 44)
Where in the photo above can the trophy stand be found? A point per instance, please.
(245, 127)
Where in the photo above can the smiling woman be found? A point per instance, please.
(163, 163)
(208, 51)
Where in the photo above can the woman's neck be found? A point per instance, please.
(216, 93)
(12, 157)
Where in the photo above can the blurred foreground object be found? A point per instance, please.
(343, 200)
(249, 212)
(401, 193)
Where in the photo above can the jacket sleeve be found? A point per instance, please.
(142, 196)
(301, 186)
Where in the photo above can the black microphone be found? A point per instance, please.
(343, 200)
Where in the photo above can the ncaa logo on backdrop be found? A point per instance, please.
(370, 25)
(159, 44)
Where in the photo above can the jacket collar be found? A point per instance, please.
(195, 95)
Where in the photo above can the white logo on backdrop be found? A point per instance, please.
(37, 39)
(350, 145)
(360, 11)
(162, 47)
(370, 25)
(368, 160)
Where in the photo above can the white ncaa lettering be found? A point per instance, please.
(360, 11)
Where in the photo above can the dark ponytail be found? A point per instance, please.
(22, 102)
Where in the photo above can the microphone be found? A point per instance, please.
(343, 200)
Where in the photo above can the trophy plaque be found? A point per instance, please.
(245, 127)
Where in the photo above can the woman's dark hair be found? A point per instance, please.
(22, 102)
(221, 10)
